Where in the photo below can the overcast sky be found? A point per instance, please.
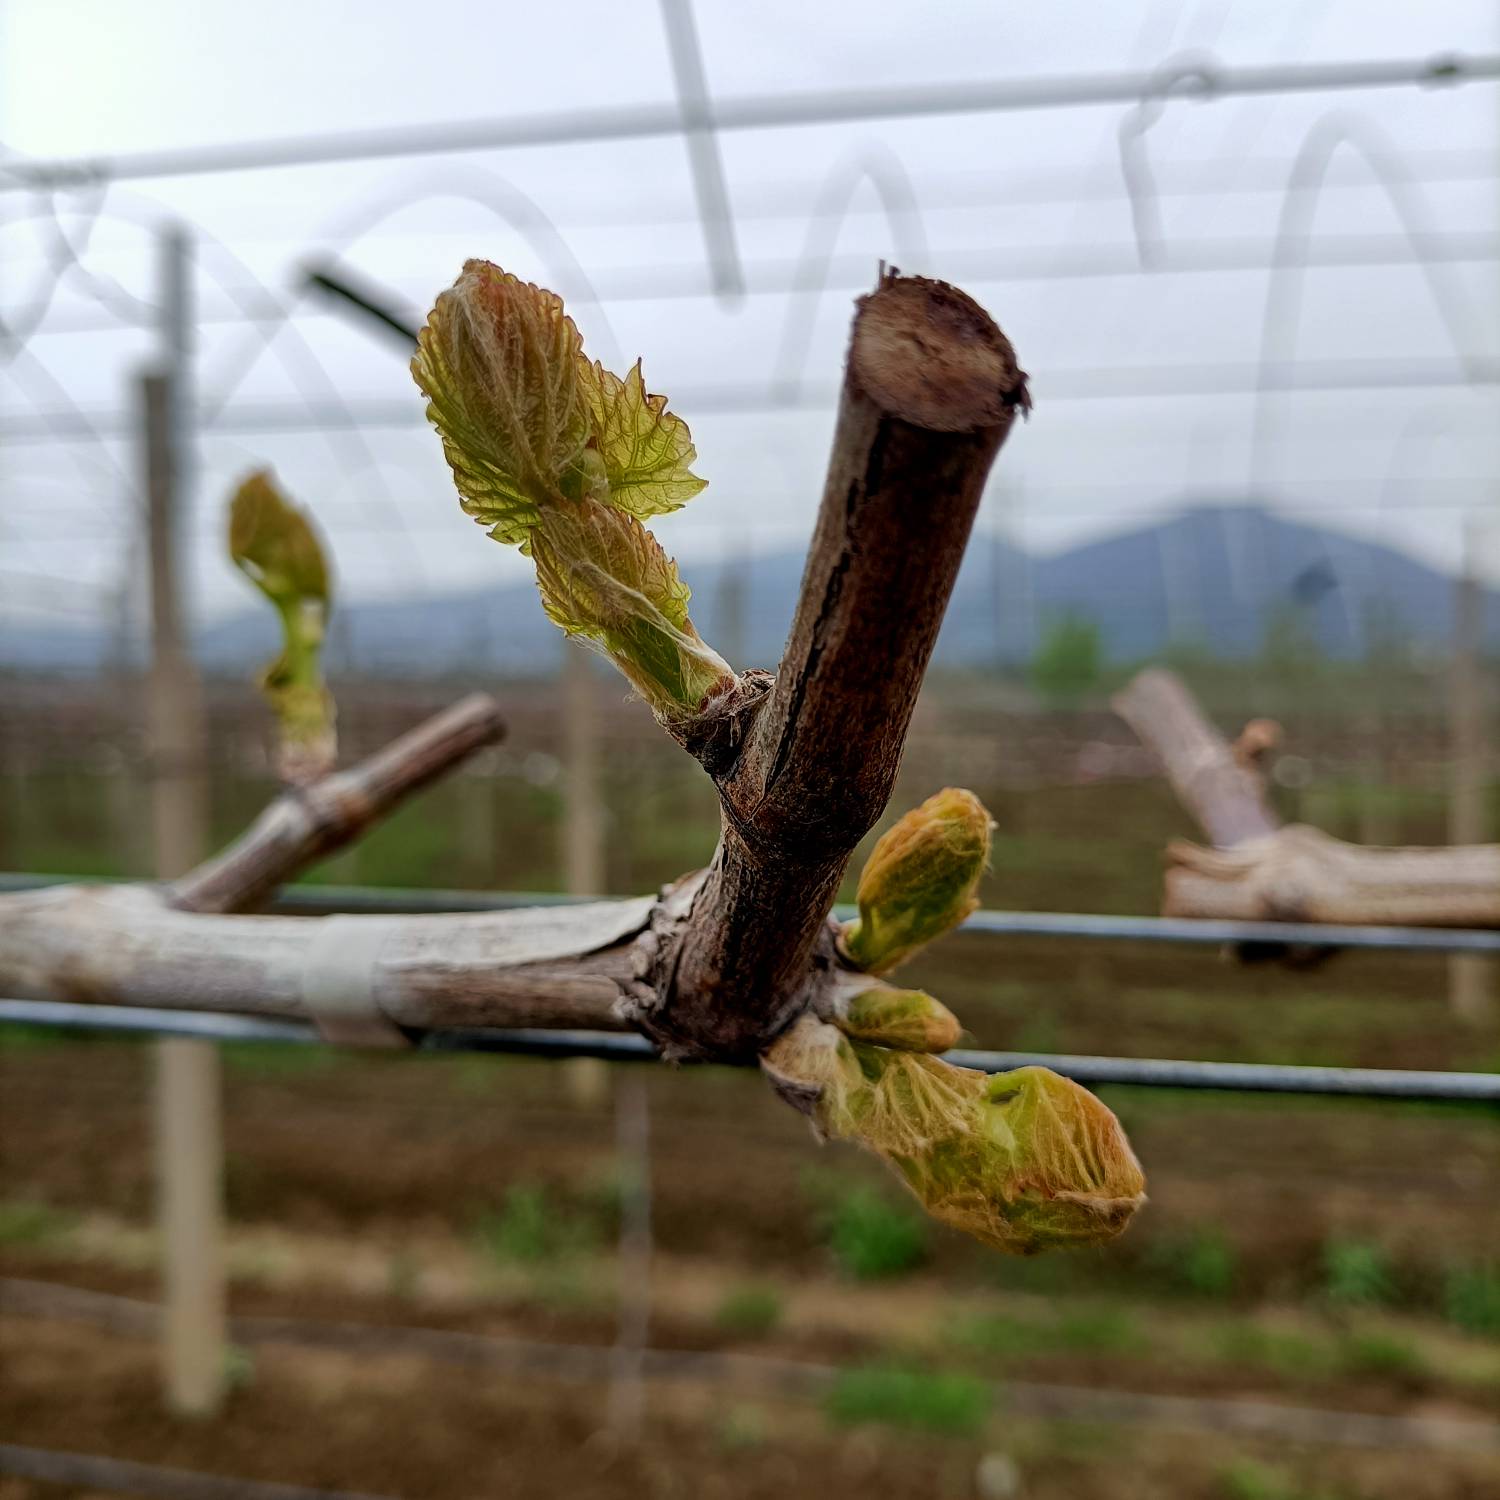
(1002, 202)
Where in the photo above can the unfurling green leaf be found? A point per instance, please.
(645, 449)
(273, 544)
(557, 455)
(603, 576)
(1024, 1161)
(909, 1019)
(919, 880)
(501, 365)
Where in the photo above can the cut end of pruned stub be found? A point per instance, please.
(930, 354)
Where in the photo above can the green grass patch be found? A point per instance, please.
(1379, 1352)
(749, 1311)
(1471, 1298)
(1200, 1262)
(1085, 1329)
(25, 1225)
(1099, 1330)
(237, 1364)
(743, 1428)
(873, 1237)
(1357, 1273)
(21, 1036)
(1247, 1345)
(1249, 1479)
(920, 1401)
(277, 1059)
(534, 1226)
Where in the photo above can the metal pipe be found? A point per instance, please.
(756, 112)
(1145, 1072)
(704, 157)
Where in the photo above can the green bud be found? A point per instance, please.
(272, 542)
(604, 577)
(1024, 1161)
(907, 1019)
(1071, 1177)
(919, 880)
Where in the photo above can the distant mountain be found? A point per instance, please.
(1212, 577)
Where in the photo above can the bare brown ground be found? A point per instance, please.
(388, 1425)
(354, 1190)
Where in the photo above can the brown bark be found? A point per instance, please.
(931, 388)
(308, 824)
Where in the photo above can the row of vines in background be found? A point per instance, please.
(1075, 797)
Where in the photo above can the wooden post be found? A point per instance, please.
(13, 798)
(627, 1391)
(731, 624)
(583, 818)
(189, 1152)
(1471, 977)
(587, 1079)
(1013, 605)
(174, 698)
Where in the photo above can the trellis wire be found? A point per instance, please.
(793, 1378)
(124, 1476)
(1145, 1072)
